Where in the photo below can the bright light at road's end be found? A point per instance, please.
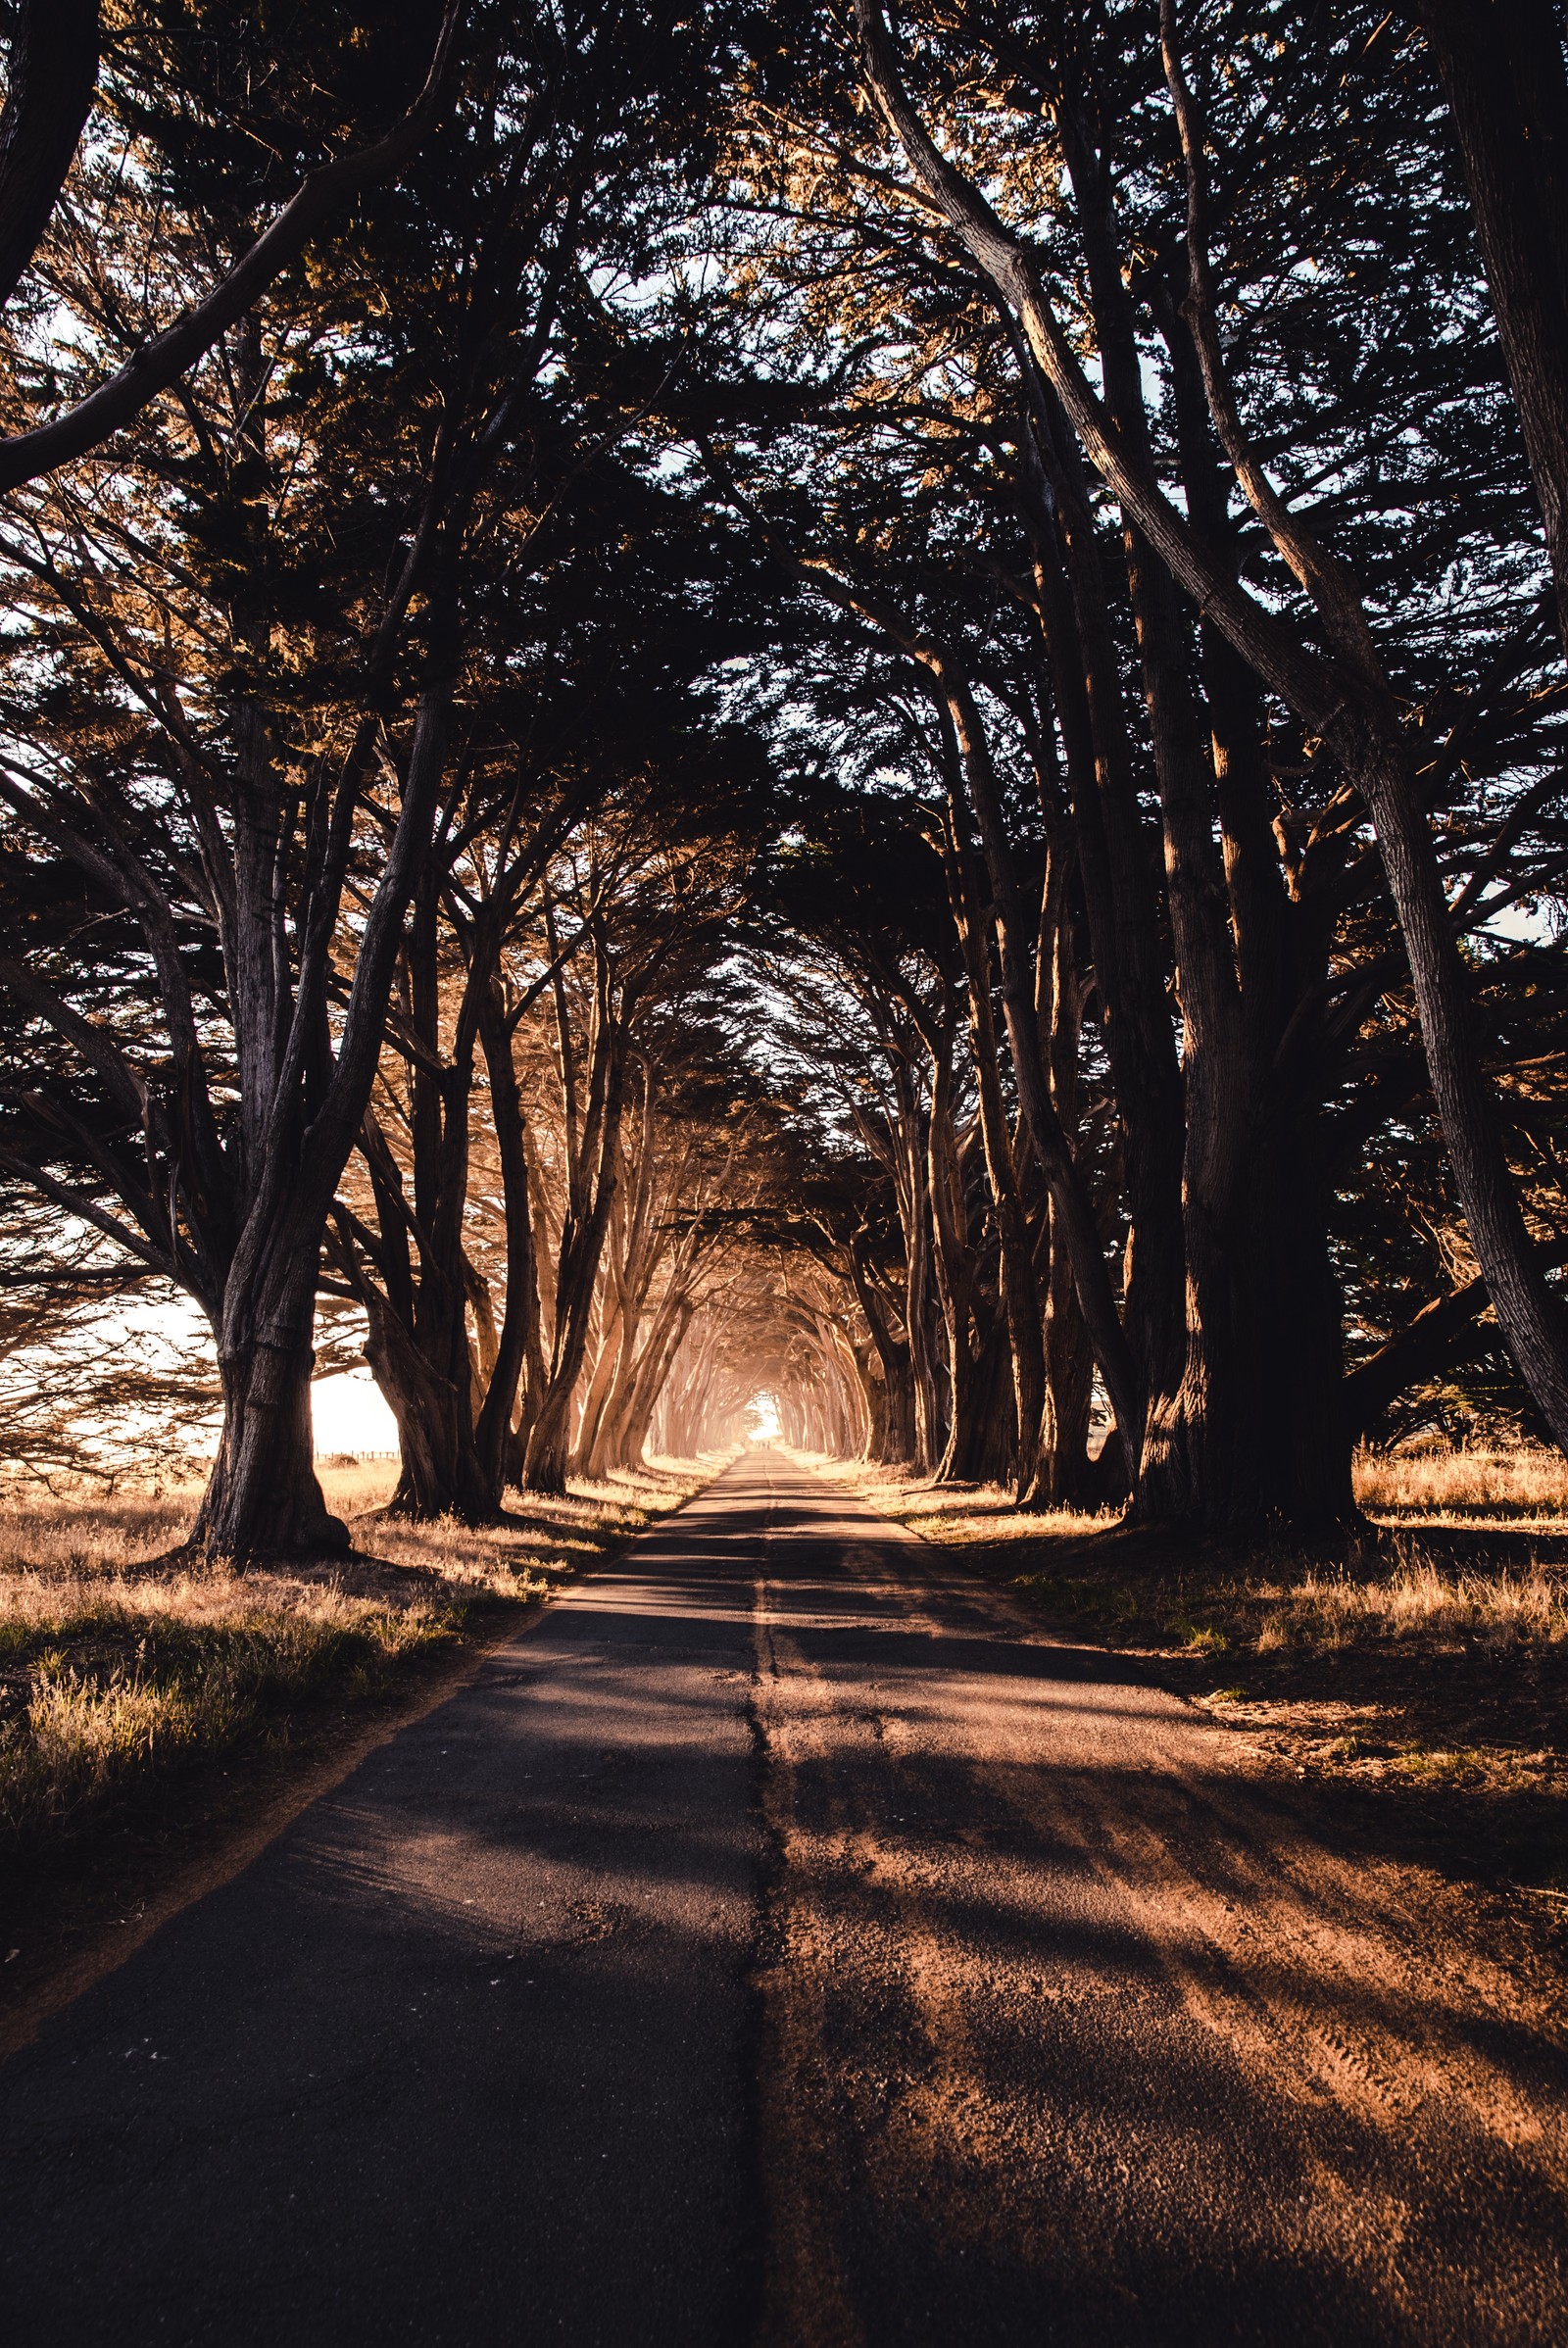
(762, 1414)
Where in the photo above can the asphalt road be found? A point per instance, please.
(783, 1942)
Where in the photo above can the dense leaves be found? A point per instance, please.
(865, 712)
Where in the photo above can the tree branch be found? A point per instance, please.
(160, 363)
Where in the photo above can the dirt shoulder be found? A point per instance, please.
(1071, 2025)
(1414, 1683)
(158, 1730)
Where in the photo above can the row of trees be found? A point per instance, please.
(869, 712)
(1178, 506)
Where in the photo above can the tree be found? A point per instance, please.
(54, 69)
(1343, 695)
(267, 623)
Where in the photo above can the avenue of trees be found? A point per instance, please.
(855, 705)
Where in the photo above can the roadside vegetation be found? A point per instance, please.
(123, 1663)
(1423, 1662)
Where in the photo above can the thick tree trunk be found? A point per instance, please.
(549, 1450)
(1217, 1077)
(1033, 1448)
(608, 1388)
(1259, 1431)
(1117, 858)
(418, 1347)
(625, 1424)
(500, 1447)
(262, 1498)
(442, 1473)
(1068, 1473)
(898, 1448)
(52, 70)
(636, 1420)
(954, 1262)
(918, 1275)
(970, 1402)
(893, 1435)
(1070, 1374)
(1068, 1192)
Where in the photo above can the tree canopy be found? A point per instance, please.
(717, 704)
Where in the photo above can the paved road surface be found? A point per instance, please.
(784, 1942)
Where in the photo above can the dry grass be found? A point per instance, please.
(1410, 1597)
(1443, 1486)
(112, 1669)
(108, 1681)
(959, 1515)
(1416, 1601)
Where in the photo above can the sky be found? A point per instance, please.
(350, 1414)
(347, 1407)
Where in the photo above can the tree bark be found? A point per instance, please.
(1070, 1356)
(1501, 62)
(518, 1351)
(1116, 861)
(894, 1435)
(1532, 1315)
(582, 1240)
(1346, 702)
(914, 1214)
(1035, 1465)
(441, 1474)
(263, 1497)
(53, 71)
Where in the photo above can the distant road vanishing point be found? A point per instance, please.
(784, 1941)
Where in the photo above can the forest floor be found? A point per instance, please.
(1418, 1676)
(151, 1713)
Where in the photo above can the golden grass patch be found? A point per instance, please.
(1444, 1484)
(1416, 1601)
(113, 1667)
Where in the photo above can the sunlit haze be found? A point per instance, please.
(763, 1426)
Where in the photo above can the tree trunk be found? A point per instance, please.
(1501, 62)
(1068, 1475)
(893, 1436)
(262, 1498)
(53, 69)
(518, 1349)
(952, 1259)
(637, 1418)
(549, 1436)
(1532, 1317)
(441, 1473)
(1117, 858)
(917, 1274)
(1033, 1448)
